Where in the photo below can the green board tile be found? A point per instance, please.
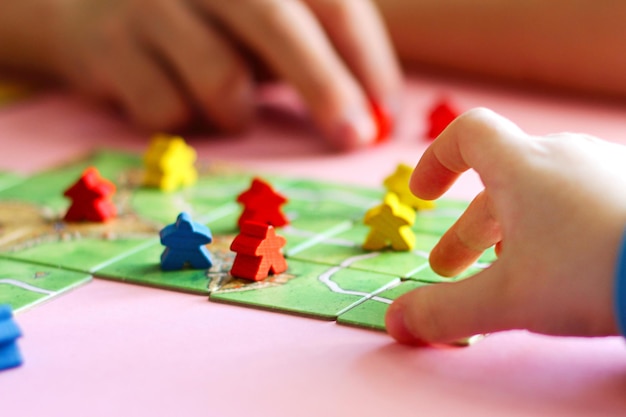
(46, 189)
(329, 276)
(307, 289)
(9, 179)
(371, 312)
(143, 268)
(79, 254)
(24, 285)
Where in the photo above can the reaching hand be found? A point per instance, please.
(163, 60)
(554, 206)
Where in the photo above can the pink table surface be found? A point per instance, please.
(110, 349)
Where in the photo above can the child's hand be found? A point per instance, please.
(555, 206)
(163, 59)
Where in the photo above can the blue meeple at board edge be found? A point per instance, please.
(10, 356)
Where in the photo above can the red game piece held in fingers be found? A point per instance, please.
(384, 122)
(91, 198)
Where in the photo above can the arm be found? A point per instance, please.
(575, 45)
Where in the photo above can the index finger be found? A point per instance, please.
(479, 139)
(357, 31)
(289, 38)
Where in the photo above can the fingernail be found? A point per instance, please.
(468, 341)
(356, 130)
(396, 326)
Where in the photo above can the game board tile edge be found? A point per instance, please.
(130, 281)
(321, 316)
(77, 285)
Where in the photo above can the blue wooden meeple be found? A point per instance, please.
(185, 242)
(10, 356)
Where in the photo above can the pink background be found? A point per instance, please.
(110, 349)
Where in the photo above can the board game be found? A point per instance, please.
(329, 275)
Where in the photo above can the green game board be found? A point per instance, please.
(329, 277)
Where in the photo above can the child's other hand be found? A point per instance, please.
(163, 59)
(555, 206)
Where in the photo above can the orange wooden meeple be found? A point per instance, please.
(259, 253)
(91, 198)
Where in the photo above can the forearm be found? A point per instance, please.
(576, 45)
(27, 35)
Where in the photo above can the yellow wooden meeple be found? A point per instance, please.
(398, 183)
(390, 225)
(169, 163)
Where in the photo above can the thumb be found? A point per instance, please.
(448, 312)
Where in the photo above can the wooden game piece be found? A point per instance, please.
(398, 183)
(91, 198)
(384, 123)
(185, 242)
(327, 280)
(9, 333)
(390, 225)
(258, 251)
(440, 116)
(169, 163)
(262, 204)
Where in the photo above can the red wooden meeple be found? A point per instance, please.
(262, 204)
(91, 198)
